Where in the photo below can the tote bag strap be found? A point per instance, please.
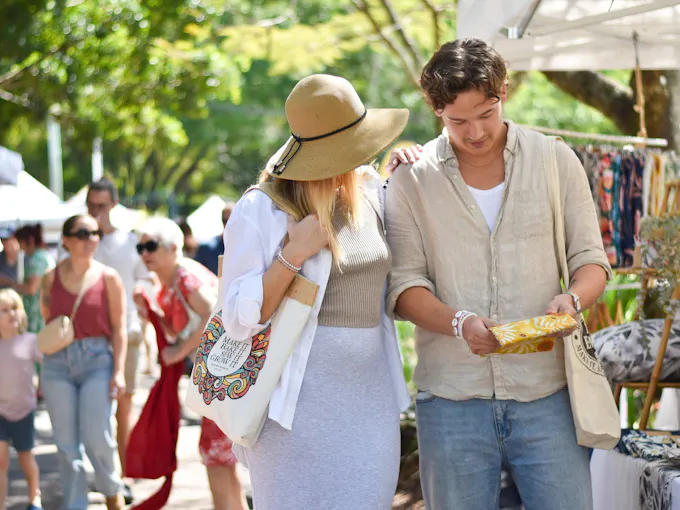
(553, 180)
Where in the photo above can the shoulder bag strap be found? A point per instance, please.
(89, 279)
(553, 180)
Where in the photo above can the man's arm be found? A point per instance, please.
(586, 258)
(410, 290)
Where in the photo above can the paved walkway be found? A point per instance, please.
(190, 485)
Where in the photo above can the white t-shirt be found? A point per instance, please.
(489, 201)
(119, 251)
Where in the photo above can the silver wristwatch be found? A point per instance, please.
(577, 301)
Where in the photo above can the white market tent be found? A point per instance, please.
(11, 165)
(30, 202)
(564, 35)
(206, 220)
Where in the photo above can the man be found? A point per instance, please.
(470, 226)
(117, 249)
(9, 258)
(208, 253)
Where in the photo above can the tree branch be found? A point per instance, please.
(8, 96)
(27, 67)
(614, 100)
(435, 11)
(401, 32)
(404, 59)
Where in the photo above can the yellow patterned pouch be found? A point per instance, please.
(531, 335)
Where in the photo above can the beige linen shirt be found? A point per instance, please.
(441, 241)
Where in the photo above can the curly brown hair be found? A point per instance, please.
(459, 66)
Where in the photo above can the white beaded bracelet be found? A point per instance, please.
(458, 320)
(287, 264)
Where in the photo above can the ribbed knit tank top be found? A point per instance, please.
(92, 318)
(354, 293)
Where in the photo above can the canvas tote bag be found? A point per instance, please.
(59, 333)
(234, 378)
(596, 416)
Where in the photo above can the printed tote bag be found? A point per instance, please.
(234, 378)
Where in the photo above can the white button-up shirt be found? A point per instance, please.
(252, 237)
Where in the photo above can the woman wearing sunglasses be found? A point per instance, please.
(81, 381)
(187, 294)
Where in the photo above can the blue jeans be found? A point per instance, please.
(75, 384)
(464, 444)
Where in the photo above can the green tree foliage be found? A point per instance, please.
(188, 95)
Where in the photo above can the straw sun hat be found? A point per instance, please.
(332, 131)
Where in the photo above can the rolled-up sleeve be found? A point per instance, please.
(583, 238)
(409, 262)
(245, 261)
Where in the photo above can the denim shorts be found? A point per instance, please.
(20, 434)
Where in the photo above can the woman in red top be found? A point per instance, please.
(186, 297)
(81, 381)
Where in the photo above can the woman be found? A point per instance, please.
(37, 262)
(81, 381)
(332, 439)
(187, 294)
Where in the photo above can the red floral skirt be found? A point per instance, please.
(214, 446)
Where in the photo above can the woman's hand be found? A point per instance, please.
(405, 155)
(117, 386)
(307, 238)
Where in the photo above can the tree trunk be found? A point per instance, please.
(617, 102)
(673, 84)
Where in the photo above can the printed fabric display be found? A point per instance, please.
(626, 185)
(651, 447)
(628, 351)
(531, 335)
(661, 452)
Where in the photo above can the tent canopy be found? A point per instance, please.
(11, 165)
(206, 220)
(31, 202)
(576, 34)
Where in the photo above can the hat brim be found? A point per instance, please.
(339, 153)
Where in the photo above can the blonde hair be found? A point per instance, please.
(10, 297)
(321, 197)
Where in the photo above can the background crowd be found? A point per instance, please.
(121, 275)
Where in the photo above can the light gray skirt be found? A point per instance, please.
(343, 452)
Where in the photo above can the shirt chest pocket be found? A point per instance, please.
(530, 216)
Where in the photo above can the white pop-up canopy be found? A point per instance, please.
(206, 220)
(31, 202)
(11, 166)
(576, 34)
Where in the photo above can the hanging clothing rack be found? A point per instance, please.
(619, 140)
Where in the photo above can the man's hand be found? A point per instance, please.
(476, 333)
(563, 303)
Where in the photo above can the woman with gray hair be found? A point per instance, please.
(187, 294)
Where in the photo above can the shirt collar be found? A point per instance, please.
(446, 153)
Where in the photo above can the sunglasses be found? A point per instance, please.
(150, 246)
(84, 235)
